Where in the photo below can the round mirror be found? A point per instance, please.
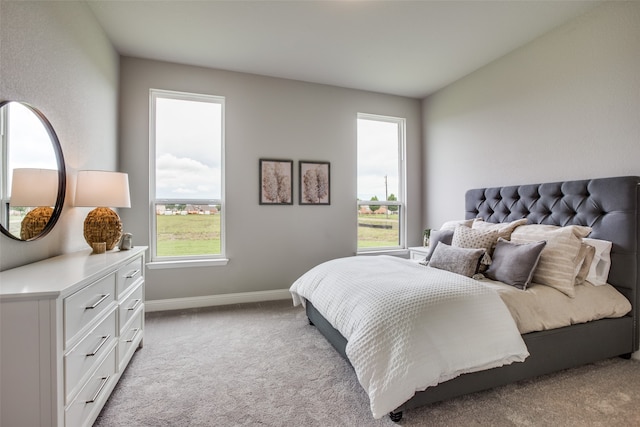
(32, 173)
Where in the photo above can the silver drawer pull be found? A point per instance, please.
(97, 349)
(102, 298)
(104, 382)
(135, 334)
(132, 274)
(135, 305)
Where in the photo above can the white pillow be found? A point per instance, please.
(451, 225)
(583, 269)
(560, 260)
(601, 264)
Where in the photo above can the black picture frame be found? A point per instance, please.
(276, 182)
(314, 182)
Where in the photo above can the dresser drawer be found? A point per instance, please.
(86, 354)
(86, 406)
(87, 304)
(130, 338)
(130, 305)
(129, 274)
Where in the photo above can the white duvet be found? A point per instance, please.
(408, 326)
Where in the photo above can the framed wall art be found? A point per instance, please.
(315, 183)
(276, 182)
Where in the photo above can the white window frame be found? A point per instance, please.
(192, 260)
(401, 200)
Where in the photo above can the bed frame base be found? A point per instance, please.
(395, 416)
(550, 351)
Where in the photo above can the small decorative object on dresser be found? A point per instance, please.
(126, 242)
(69, 326)
(99, 247)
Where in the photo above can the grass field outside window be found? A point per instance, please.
(378, 231)
(188, 235)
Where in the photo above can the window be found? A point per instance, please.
(187, 176)
(381, 209)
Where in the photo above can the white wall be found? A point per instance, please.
(55, 56)
(268, 246)
(565, 106)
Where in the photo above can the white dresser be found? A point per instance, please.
(69, 326)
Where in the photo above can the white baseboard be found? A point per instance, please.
(213, 300)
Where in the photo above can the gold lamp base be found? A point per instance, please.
(34, 222)
(102, 225)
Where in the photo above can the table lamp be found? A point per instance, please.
(103, 190)
(36, 188)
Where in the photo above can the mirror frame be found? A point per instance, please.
(62, 175)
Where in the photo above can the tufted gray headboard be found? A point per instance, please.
(608, 205)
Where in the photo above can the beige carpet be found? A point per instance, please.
(264, 365)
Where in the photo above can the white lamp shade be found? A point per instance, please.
(34, 187)
(102, 188)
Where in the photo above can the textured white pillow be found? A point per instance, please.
(467, 237)
(560, 260)
(504, 229)
(601, 264)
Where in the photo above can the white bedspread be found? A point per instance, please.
(409, 326)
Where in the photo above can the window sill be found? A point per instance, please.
(393, 252)
(162, 265)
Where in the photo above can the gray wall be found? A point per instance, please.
(54, 56)
(268, 246)
(565, 106)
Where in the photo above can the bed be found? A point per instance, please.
(609, 206)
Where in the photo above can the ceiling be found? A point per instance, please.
(407, 48)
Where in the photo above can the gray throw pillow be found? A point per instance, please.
(463, 261)
(514, 263)
(437, 236)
